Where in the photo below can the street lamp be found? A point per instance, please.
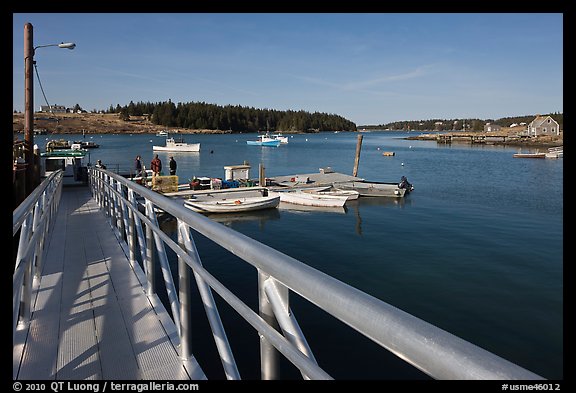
(29, 51)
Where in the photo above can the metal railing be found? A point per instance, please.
(434, 351)
(32, 220)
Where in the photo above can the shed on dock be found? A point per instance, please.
(237, 172)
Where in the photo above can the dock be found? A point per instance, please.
(323, 178)
(318, 179)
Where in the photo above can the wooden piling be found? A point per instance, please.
(357, 159)
(261, 176)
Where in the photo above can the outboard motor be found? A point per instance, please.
(405, 184)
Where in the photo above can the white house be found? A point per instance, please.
(53, 108)
(543, 125)
(491, 127)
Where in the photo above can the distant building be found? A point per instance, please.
(543, 125)
(491, 127)
(53, 108)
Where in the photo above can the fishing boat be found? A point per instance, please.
(69, 160)
(307, 198)
(265, 140)
(162, 133)
(173, 145)
(232, 205)
(377, 189)
(87, 144)
(280, 137)
(555, 152)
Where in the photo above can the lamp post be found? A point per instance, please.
(29, 51)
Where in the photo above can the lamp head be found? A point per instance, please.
(67, 45)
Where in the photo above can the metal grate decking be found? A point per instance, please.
(91, 318)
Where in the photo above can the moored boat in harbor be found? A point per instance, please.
(307, 198)
(377, 189)
(233, 205)
(265, 140)
(530, 155)
(173, 145)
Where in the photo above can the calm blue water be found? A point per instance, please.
(476, 249)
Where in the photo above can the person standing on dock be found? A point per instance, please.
(173, 166)
(137, 167)
(156, 166)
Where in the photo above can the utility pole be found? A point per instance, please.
(29, 107)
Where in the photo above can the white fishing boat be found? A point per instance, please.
(278, 136)
(265, 140)
(232, 205)
(308, 198)
(69, 160)
(162, 133)
(555, 152)
(173, 145)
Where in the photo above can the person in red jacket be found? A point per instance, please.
(156, 166)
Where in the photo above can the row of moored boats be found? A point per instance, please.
(258, 198)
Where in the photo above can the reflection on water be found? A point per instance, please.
(379, 201)
(168, 223)
(291, 207)
(373, 202)
(258, 215)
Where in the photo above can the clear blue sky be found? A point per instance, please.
(371, 68)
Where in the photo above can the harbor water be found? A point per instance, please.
(476, 249)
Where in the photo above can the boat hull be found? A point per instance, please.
(372, 189)
(530, 155)
(273, 143)
(310, 199)
(234, 205)
(350, 195)
(191, 147)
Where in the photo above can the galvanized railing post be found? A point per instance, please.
(165, 267)
(119, 207)
(220, 338)
(110, 200)
(25, 290)
(278, 296)
(131, 238)
(185, 296)
(150, 262)
(42, 227)
(269, 356)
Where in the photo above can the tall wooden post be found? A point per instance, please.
(357, 159)
(29, 107)
(261, 176)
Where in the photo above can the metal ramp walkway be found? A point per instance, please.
(90, 316)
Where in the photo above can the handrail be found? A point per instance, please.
(32, 219)
(432, 350)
